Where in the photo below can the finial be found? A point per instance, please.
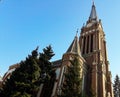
(93, 2)
(77, 32)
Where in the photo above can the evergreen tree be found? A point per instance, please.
(47, 73)
(72, 83)
(116, 86)
(48, 85)
(45, 64)
(24, 81)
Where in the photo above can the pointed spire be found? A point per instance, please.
(93, 14)
(74, 47)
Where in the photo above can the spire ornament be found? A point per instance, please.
(93, 2)
(77, 32)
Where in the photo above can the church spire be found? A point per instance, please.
(93, 14)
(74, 47)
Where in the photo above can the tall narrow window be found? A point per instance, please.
(84, 40)
(91, 45)
(87, 50)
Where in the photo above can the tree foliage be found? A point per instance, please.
(47, 73)
(116, 86)
(25, 80)
(44, 62)
(72, 83)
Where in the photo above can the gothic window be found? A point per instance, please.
(84, 45)
(91, 45)
(87, 44)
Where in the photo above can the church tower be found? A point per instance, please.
(72, 52)
(90, 50)
(93, 48)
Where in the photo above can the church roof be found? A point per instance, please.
(57, 63)
(74, 47)
(93, 14)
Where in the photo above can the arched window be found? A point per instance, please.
(91, 45)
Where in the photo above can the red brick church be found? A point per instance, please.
(92, 52)
(90, 48)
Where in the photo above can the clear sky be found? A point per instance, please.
(26, 24)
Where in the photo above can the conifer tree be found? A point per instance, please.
(24, 81)
(72, 83)
(116, 86)
(47, 73)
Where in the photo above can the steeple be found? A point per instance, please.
(74, 47)
(93, 14)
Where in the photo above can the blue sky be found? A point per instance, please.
(26, 24)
